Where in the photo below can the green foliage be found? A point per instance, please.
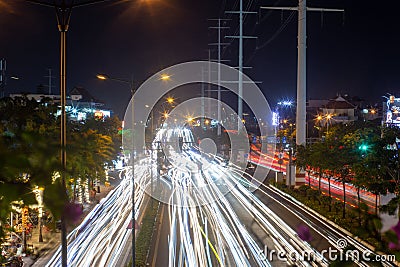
(303, 189)
(358, 154)
(391, 206)
(144, 238)
(30, 152)
(326, 201)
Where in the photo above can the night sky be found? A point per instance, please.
(357, 53)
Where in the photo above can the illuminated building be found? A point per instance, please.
(80, 104)
(391, 111)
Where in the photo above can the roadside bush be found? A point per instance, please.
(143, 241)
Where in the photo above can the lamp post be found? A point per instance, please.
(318, 122)
(328, 120)
(131, 86)
(63, 10)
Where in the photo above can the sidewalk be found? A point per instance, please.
(43, 251)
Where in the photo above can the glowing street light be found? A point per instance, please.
(328, 120)
(131, 86)
(170, 100)
(165, 77)
(101, 77)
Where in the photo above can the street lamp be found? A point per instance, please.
(131, 86)
(328, 119)
(318, 120)
(165, 77)
(63, 13)
(101, 77)
(170, 100)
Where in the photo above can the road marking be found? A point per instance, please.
(211, 246)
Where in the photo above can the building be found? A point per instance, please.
(339, 110)
(391, 111)
(80, 104)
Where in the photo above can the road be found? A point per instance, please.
(99, 239)
(207, 208)
(210, 216)
(237, 225)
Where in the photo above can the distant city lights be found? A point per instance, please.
(275, 118)
(286, 103)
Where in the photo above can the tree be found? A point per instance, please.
(89, 153)
(29, 152)
(341, 155)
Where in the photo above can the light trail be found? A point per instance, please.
(206, 207)
(98, 240)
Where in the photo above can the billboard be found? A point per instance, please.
(392, 115)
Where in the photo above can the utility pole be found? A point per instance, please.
(2, 76)
(219, 44)
(301, 64)
(240, 37)
(202, 100)
(50, 80)
(209, 84)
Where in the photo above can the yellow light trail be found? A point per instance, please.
(212, 247)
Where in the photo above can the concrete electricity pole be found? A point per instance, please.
(2, 76)
(50, 80)
(301, 65)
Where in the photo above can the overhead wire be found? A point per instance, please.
(236, 32)
(261, 19)
(281, 28)
(275, 35)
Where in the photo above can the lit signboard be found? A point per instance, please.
(275, 118)
(98, 114)
(393, 111)
(81, 116)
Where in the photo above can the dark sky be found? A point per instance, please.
(359, 55)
